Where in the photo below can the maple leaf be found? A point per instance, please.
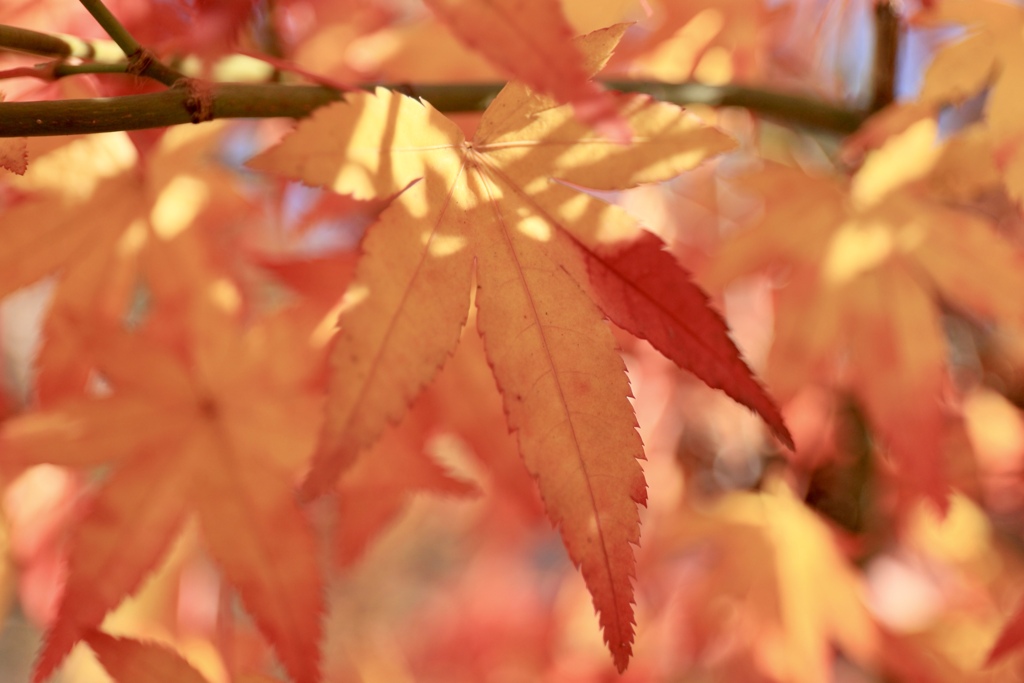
(532, 41)
(421, 52)
(494, 617)
(204, 28)
(375, 490)
(464, 401)
(59, 220)
(14, 155)
(866, 275)
(1011, 638)
(714, 41)
(642, 289)
(781, 566)
(991, 54)
(502, 208)
(94, 213)
(586, 16)
(130, 661)
(461, 400)
(186, 438)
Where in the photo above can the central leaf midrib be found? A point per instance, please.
(499, 218)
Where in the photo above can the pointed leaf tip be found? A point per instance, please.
(60, 640)
(131, 661)
(567, 402)
(642, 289)
(1011, 638)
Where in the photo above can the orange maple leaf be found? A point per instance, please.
(990, 55)
(375, 490)
(186, 437)
(129, 661)
(777, 570)
(92, 211)
(464, 401)
(714, 41)
(503, 206)
(867, 271)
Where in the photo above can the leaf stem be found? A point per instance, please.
(64, 69)
(114, 28)
(265, 29)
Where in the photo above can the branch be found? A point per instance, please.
(887, 47)
(194, 101)
(156, 110)
(794, 109)
(243, 100)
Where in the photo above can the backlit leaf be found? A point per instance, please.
(498, 208)
(202, 446)
(134, 661)
(869, 272)
(643, 290)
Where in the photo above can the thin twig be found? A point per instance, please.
(63, 69)
(265, 29)
(34, 42)
(52, 71)
(59, 46)
(44, 72)
(114, 28)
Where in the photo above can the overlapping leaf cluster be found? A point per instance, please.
(501, 210)
(220, 395)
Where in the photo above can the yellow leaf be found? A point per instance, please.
(960, 70)
(779, 565)
(865, 280)
(992, 55)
